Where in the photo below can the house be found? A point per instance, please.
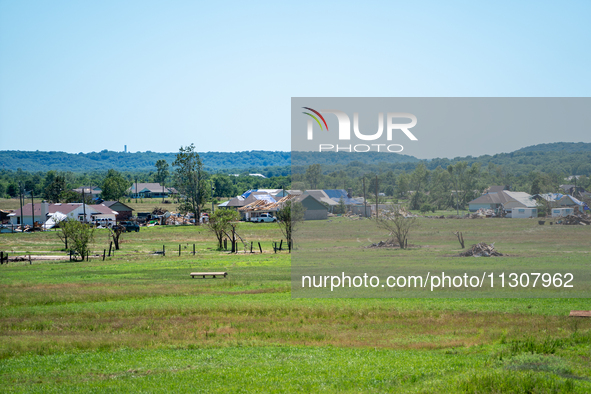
(150, 190)
(262, 205)
(315, 210)
(76, 211)
(247, 198)
(557, 200)
(93, 191)
(562, 212)
(124, 212)
(524, 213)
(496, 189)
(506, 201)
(492, 200)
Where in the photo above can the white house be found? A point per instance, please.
(561, 212)
(44, 211)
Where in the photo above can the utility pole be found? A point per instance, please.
(376, 197)
(212, 207)
(84, 204)
(33, 208)
(364, 198)
(20, 195)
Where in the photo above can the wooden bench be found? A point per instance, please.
(204, 274)
(580, 314)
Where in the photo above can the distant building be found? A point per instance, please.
(505, 202)
(93, 191)
(150, 190)
(43, 211)
(124, 212)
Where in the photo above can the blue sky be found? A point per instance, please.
(86, 76)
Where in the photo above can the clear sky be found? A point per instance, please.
(80, 76)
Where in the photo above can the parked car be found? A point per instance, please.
(263, 218)
(130, 226)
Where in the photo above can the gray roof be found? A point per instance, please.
(491, 198)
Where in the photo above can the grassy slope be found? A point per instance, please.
(138, 322)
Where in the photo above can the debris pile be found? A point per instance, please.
(576, 219)
(385, 244)
(481, 250)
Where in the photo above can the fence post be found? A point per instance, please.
(110, 246)
(281, 245)
(251, 247)
(193, 249)
(1, 257)
(163, 251)
(179, 250)
(104, 254)
(260, 248)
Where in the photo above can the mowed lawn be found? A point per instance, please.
(138, 322)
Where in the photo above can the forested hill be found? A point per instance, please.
(568, 147)
(138, 161)
(564, 157)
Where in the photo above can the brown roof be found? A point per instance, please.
(101, 208)
(52, 208)
(262, 205)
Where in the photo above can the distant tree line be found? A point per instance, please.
(443, 187)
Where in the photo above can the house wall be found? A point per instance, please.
(318, 214)
(524, 213)
(561, 212)
(476, 207)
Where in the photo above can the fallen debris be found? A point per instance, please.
(385, 244)
(481, 250)
(576, 219)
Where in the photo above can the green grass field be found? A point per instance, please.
(138, 322)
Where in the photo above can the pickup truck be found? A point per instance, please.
(130, 226)
(263, 218)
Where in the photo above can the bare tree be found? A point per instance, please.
(115, 233)
(289, 217)
(397, 225)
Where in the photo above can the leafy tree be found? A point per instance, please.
(426, 208)
(341, 208)
(219, 223)
(162, 172)
(53, 191)
(223, 186)
(289, 217)
(403, 184)
(12, 189)
(313, 175)
(465, 180)
(114, 186)
(78, 235)
(416, 200)
(190, 180)
(419, 177)
(535, 187)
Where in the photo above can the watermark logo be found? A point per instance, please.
(344, 133)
